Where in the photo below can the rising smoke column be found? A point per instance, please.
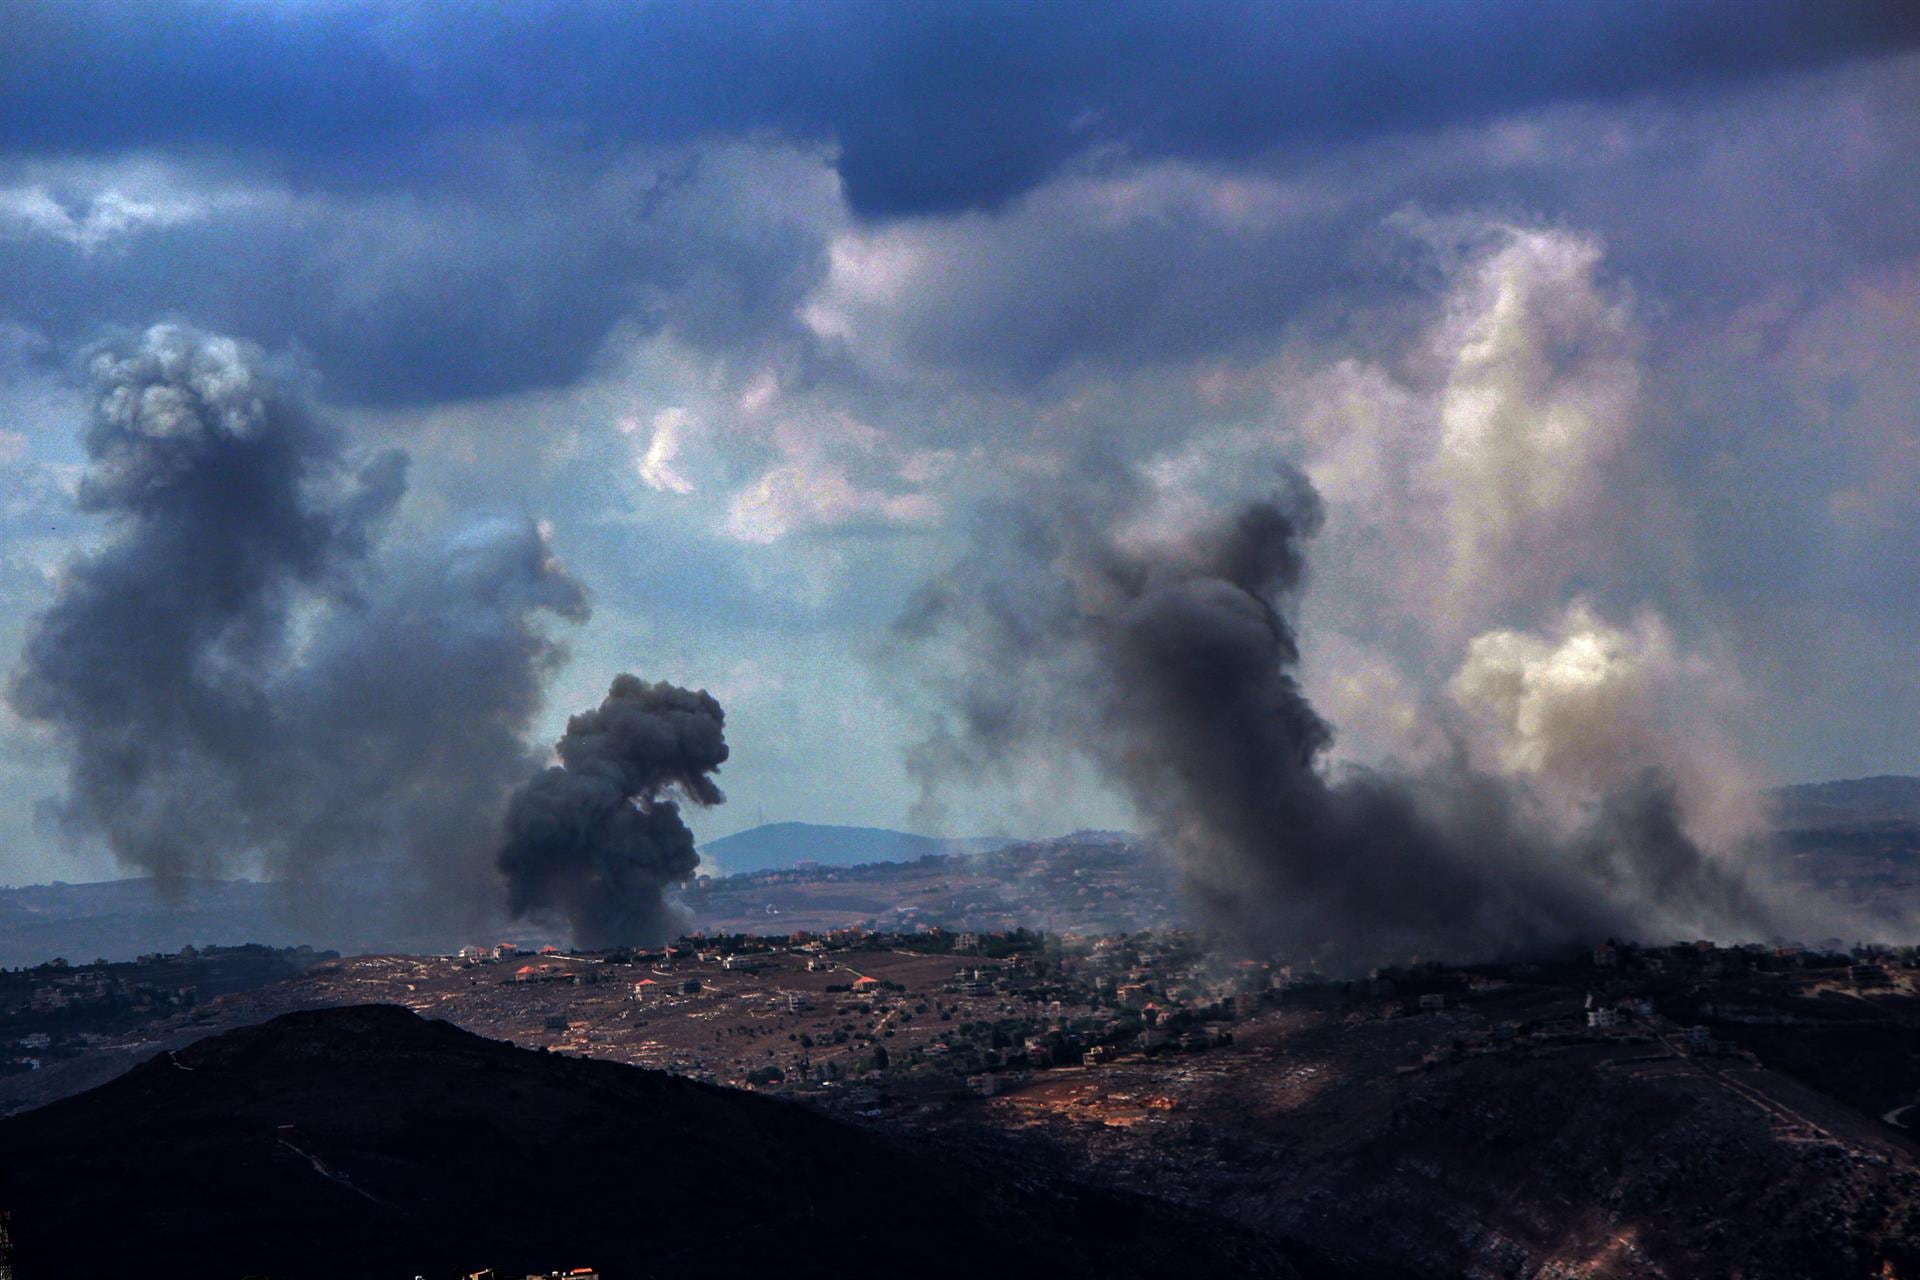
(596, 840)
(242, 680)
(1167, 659)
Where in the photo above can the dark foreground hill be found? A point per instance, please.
(366, 1142)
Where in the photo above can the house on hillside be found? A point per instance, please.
(866, 986)
(645, 989)
(1868, 975)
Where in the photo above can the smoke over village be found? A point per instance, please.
(1160, 637)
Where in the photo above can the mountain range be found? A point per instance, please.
(119, 919)
(783, 844)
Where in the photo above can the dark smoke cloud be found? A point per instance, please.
(1168, 662)
(243, 680)
(595, 840)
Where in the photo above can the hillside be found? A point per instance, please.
(1849, 800)
(366, 1141)
(782, 844)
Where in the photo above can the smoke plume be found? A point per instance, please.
(1080, 623)
(244, 681)
(595, 840)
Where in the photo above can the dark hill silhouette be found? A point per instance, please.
(366, 1142)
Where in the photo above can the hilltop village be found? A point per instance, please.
(915, 1018)
(866, 1017)
(1090, 883)
(59, 1011)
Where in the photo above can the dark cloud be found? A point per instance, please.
(595, 840)
(243, 680)
(936, 107)
(1167, 660)
(417, 297)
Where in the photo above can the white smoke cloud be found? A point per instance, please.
(1538, 406)
(1491, 470)
(1584, 707)
(1488, 513)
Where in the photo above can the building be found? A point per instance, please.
(1868, 975)
(1696, 1039)
(866, 986)
(1605, 956)
(1605, 1018)
(645, 989)
(1432, 1002)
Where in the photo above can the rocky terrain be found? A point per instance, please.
(1377, 1148)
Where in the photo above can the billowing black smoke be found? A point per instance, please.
(596, 840)
(244, 680)
(1168, 662)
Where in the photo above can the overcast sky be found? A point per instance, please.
(1595, 326)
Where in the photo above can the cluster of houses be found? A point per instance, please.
(1862, 965)
(58, 1009)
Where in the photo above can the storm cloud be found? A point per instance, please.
(341, 93)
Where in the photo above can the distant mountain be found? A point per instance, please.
(120, 919)
(366, 1141)
(782, 844)
(1888, 798)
